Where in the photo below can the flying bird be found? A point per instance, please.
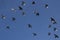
(13, 18)
(34, 34)
(3, 17)
(20, 8)
(55, 29)
(29, 25)
(53, 20)
(49, 26)
(23, 3)
(56, 36)
(23, 13)
(37, 14)
(49, 33)
(33, 2)
(46, 5)
(7, 27)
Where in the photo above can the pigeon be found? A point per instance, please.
(53, 20)
(29, 25)
(56, 36)
(23, 13)
(13, 18)
(3, 17)
(49, 26)
(20, 8)
(46, 5)
(55, 29)
(34, 34)
(23, 3)
(49, 33)
(33, 2)
(37, 14)
(7, 27)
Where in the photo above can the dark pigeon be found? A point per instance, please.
(53, 20)
(7, 27)
(33, 2)
(34, 34)
(29, 25)
(37, 14)
(49, 33)
(56, 36)
(46, 5)
(55, 29)
(13, 18)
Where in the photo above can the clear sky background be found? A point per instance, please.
(19, 29)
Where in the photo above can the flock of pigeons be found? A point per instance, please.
(53, 21)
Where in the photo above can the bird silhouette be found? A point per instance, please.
(33, 2)
(49, 33)
(20, 8)
(46, 5)
(53, 20)
(23, 3)
(34, 34)
(55, 29)
(37, 14)
(49, 26)
(7, 27)
(56, 36)
(13, 18)
(29, 25)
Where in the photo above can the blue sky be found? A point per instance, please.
(19, 29)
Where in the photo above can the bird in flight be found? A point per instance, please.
(49, 26)
(56, 36)
(13, 18)
(49, 33)
(20, 8)
(33, 2)
(46, 5)
(55, 29)
(29, 25)
(37, 14)
(53, 20)
(7, 27)
(34, 34)
(23, 3)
